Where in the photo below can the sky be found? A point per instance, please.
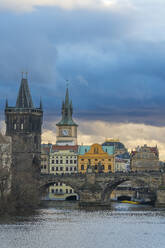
(111, 51)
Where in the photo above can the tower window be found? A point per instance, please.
(21, 126)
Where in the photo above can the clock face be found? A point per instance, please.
(65, 132)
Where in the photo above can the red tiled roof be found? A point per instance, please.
(58, 148)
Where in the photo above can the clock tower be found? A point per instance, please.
(66, 128)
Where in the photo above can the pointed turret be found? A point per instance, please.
(24, 99)
(41, 105)
(7, 103)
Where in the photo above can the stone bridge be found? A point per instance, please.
(95, 188)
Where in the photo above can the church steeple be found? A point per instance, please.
(67, 111)
(24, 99)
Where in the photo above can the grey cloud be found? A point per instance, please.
(113, 72)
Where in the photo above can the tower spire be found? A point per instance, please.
(24, 99)
(67, 111)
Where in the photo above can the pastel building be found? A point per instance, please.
(101, 158)
(145, 158)
(63, 159)
(122, 162)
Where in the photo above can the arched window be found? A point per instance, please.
(96, 150)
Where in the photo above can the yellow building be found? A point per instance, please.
(101, 158)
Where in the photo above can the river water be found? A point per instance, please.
(65, 225)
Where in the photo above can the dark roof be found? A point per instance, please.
(117, 145)
(24, 99)
(125, 155)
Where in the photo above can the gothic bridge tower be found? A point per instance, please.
(23, 124)
(66, 128)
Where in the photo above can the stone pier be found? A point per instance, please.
(160, 199)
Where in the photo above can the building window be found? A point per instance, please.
(96, 167)
(109, 167)
(82, 167)
(85, 150)
(103, 167)
(56, 161)
(56, 184)
(66, 161)
(41, 166)
(70, 191)
(66, 191)
(66, 168)
(56, 190)
(56, 168)
(52, 191)
(70, 168)
(44, 166)
(71, 161)
(60, 161)
(74, 168)
(21, 126)
(60, 184)
(60, 190)
(61, 169)
(75, 161)
(52, 168)
(52, 161)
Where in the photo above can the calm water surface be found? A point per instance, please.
(60, 226)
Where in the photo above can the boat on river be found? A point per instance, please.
(137, 201)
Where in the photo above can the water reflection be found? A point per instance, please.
(65, 225)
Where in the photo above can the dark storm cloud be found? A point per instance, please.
(114, 72)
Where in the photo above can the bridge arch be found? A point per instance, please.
(56, 183)
(111, 186)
